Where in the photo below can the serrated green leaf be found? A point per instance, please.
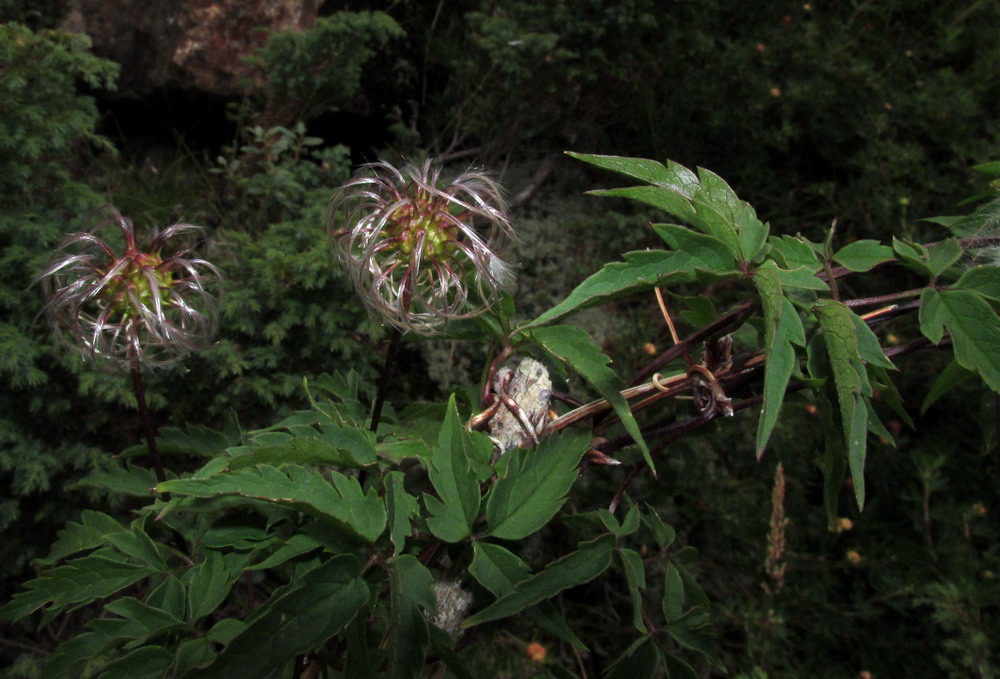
(692, 631)
(170, 596)
(983, 279)
(630, 523)
(802, 278)
(863, 255)
(949, 378)
(795, 252)
(456, 506)
(192, 654)
(974, 328)
(639, 661)
(496, 568)
(889, 393)
(583, 565)
(693, 593)
(868, 345)
(840, 333)
(71, 657)
(535, 485)
(875, 425)
(402, 507)
(642, 270)
(782, 329)
(677, 668)
(673, 594)
(410, 592)
(663, 533)
(129, 480)
(942, 255)
(680, 178)
(199, 440)
(573, 346)
(90, 533)
(208, 584)
(146, 661)
(337, 499)
(296, 545)
(992, 168)
(635, 577)
(146, 621)
(913, 254)
(297, 619)
(359, 656)
(79, 581)
(334, 446)
(664, 198)
(499, 570)
(136, 544)
(706, 252)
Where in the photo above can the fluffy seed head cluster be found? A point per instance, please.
(133, 305)
(420, 252)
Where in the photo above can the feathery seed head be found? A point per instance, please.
(136, 306)
(420, 252)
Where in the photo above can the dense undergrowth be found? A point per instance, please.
(870, 115)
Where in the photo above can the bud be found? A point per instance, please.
(420, 252)
(136, 305)
(536, 652)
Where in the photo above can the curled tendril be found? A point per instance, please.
(420, 252)
(135, 307)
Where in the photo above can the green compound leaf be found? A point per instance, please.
(144, 621)
(330, 444)
(453, 476)
(338, 500)
(411, 594)
(535, 485)
(974, 328)
(573, 346)
(583, 565)
(704, 200)
(499, 570)
(90, 533)
(79, 581)
(298, 618)
(863, 255)
(782, 329)
(850, 380)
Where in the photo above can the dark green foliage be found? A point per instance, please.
(305, 74)
(316, 537)
(41, 115)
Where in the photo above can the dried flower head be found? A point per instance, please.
(453, 604)
(139, 306)
(420, 253)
